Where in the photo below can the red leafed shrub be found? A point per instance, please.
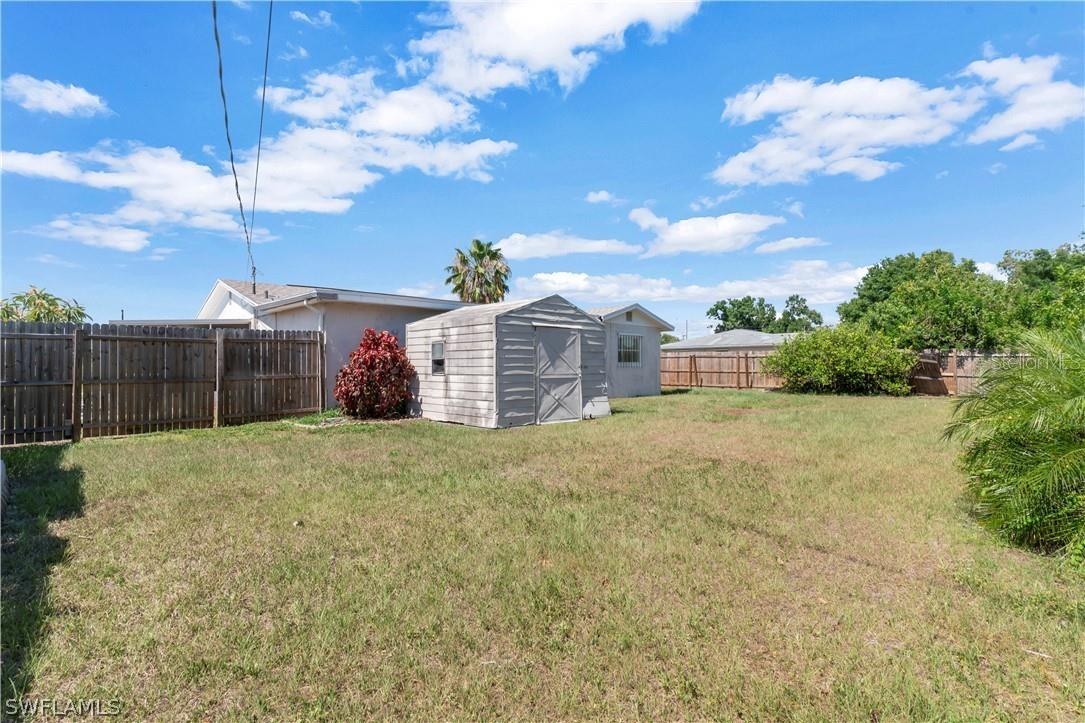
(375, 381)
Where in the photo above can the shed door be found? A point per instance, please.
(557, 359)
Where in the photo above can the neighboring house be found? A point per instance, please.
(512, 363)
(733, 340)
(343, 314)
(632, 349)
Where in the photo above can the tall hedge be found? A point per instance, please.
(847, 359)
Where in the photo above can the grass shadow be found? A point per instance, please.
(667, 391)
(42, 491)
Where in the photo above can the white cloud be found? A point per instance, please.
(428, 289)
(836, 128)
(704, 203)
(489, 46)
(328, 95)
(795, 208)
(91, 233)
(702, 234)
(418, 110)
(243, 39)
(51, 97)
(161, 253)
(322, 19)
(788, 244)
(996, 168)
(991, 269)
(603, 197)
(53, 260)
(1022, 141)
(1036, 101)
(941, 174)
(819, 281)
(294, 52)
(988, 50)
(559, 243)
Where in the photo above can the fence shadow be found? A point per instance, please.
(42, 491)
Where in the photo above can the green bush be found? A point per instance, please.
(848, 359)
(1024, 435)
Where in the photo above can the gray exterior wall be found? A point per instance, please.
(343, 325)
(630, 381)
(465, 392)
(516, 359)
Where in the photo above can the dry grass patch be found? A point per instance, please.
(707, 554)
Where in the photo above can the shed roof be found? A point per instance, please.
(610, 312)
(735, 338)
(477, 314)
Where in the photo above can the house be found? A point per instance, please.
(512, 363)
(733, 340)
(632, 349)
(343, 314)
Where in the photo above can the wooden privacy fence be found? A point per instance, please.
(722, 369)
(937, 373)
(957, 371)
(68, 381)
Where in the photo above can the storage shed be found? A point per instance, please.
(532, 361)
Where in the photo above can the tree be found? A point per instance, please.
(932, 301)
(796, 316)
(878, 283)
(36, 304)
(744, 313)
(1044, 286)
(666, 338)
(480, 275)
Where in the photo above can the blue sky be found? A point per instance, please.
(743, 148)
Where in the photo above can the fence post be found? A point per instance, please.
(953, 366)
(691, 371)
(321, 341)
(220, 367)
(77, 384)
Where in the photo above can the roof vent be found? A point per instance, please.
(629, 316)
(266, 294)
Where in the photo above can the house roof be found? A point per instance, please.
(735, 338)
(606, 313)
(266, 291)
(271, 297)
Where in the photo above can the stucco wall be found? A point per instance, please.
(343, 327)
(636, 381)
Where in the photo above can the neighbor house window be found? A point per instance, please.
(437, 357)
(628, 350)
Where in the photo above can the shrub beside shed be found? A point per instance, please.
(522, 362)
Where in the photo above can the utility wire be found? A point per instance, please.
(226, 117)
(259, 146)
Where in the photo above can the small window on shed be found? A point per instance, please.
(437, 357)
(629, 316)
(628, 350)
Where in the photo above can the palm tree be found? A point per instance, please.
(480, 275)
(1024, 435)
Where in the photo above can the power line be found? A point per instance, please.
(226, 117)
(247, 227)
(259, 145)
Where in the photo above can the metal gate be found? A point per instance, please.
(557, 360)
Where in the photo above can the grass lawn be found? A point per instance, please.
(707, 554)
